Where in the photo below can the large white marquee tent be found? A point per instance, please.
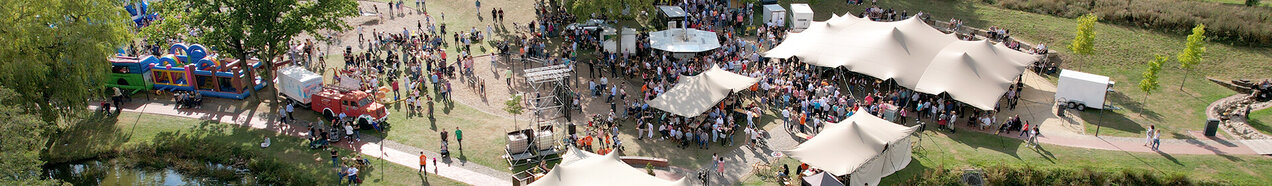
(863, 146)
(580, 168)
(693, 95)
(913, 54)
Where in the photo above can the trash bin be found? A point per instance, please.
(1059, 110)
(1212, 126)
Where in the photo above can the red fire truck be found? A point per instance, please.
(355, 105)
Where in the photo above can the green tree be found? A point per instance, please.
(23, 138)
(55, 52)
(1149, 83)
(587, 9)
(1252, 2)
(1084, 42)
(247, 29)
(1193, 51)
(170, 27)
(513, 106)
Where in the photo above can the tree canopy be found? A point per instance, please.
(23, 139)
(1194, 48)
(55, 52)
(1149, 82)
(246, 29)
(1084, 41)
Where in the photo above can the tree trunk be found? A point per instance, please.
(1185, 80)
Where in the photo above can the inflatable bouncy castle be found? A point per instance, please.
(193, 68)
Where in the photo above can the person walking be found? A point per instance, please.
(116, 100)
(1157, 141)
(459, 138)
(1148, 135)
(335, 158)
(290, 109)
(423, 162)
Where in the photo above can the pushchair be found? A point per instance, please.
(445, 150)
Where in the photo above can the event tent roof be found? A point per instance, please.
(693, 95)
(862, 143)
(822, 179)
(684, 40)
(579, 168)
(913, 54)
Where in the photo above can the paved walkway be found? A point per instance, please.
(220, 110)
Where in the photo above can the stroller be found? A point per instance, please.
(445, 150)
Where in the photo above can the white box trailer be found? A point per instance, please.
(801, 17)
(774, 14)
(298, 84)
(1080, 90)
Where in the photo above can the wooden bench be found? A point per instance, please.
(641, 161)
(802, 136)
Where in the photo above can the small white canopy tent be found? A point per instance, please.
(863, 146)
(822, 179)
(913, 54)
(579, 168)
(693, 95)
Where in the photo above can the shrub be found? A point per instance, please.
(1008, 175)
(1224, 22)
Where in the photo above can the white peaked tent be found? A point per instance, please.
(693, 95)
(913, 54)
(579, 168)
(863, 146)
(822, 179)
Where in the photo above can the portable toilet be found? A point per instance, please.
(774, 14)
(629, 40)
(801, 17)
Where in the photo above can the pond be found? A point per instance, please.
(111, 172)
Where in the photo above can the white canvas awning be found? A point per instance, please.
(913, 54)
(684, 40)
(693, 95)
(580, 168)
(865, 146)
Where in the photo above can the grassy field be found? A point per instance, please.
(1120, 53)
(1262, 120)
(976, 150)
(97, 135)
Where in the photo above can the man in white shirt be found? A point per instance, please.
(786, 119)
(291, 108)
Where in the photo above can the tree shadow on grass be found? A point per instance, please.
(978, 140)
(1109, 119)
(1120, 99)
(90, 137)
(915, 169)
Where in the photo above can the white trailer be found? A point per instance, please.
(298, 84)
(801, 17)
(1080, 90)
(774, 14)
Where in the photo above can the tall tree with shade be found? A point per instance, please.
(247, 29)
(55, 52)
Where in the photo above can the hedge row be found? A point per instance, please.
(1237, 24)
(1004, 175)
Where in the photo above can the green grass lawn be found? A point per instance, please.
(977, 150)
(1120, 53)
(95, 135)
(462, 16)
(1261, 120)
